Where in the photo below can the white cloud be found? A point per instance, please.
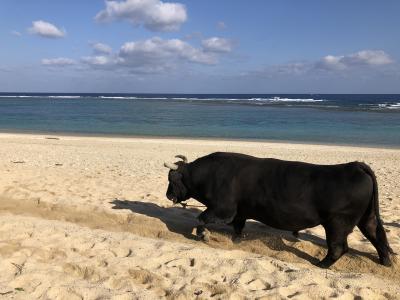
(368, 57)
(155, 15)
(58, 62)
(292, 68)
(156, 49)
(361, 58)
(16, 33)
(101, 48)
(45, 29)
(154, 55)
(216, 44)
(373, 60)
(99, 60)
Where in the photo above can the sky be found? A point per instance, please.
(200, 46)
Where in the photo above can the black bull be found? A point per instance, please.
(286, 195)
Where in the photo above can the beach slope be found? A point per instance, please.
(87, 218)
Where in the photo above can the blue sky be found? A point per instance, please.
(202, 46)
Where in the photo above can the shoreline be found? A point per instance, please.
(192, 138)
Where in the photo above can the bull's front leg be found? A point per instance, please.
(202, 233)
(204, 218)
(212, 216)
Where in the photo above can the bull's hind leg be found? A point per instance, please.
(336, 231)
(375, 233)
(238, 225)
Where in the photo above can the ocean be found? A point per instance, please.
(372, 120)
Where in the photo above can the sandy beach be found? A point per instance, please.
(87, 218)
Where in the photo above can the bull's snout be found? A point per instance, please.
(172, 198)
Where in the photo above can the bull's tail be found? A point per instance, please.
(380, 231)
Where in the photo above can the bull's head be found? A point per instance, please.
(177, 191)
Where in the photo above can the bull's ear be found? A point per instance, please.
(178, 181)
(176, 176)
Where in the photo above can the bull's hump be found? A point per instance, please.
(231, 155)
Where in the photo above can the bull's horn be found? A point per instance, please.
(171, 166)
(183, 157)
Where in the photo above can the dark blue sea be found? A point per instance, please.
(372, 120)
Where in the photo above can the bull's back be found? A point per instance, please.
(295, 195)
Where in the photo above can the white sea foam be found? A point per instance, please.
(273, 99)
(279, 99)
(208, 99)
(389, 105)
(21, 96)
(36, 96)
(117, 97)
(381, 106)
(184, 98)
(259, 101)
(63, 97)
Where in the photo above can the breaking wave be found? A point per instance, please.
(64, 97)
(42, 97)
(110, 97)
(381, 106)
(333, 102)
(220, 99)
(279, 99)
(390, 106)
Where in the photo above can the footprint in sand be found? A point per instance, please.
(149, 279)
(180, 262)
(84, 272)
(121, 252)
(257, 284)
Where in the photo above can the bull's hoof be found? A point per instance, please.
(206, 236)
(385, 261)
(324, 264)
(237, 238)
(203, 234)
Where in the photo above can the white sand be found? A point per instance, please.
(87, 218)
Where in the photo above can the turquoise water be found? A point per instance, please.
(341, 119)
